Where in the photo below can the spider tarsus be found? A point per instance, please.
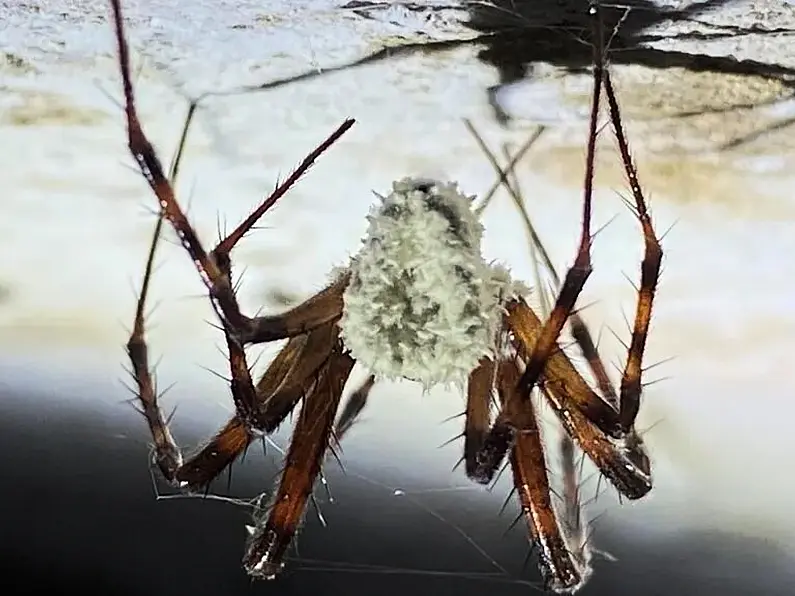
(482, 463)
(265, 551)
(353, 407)
(266, 548)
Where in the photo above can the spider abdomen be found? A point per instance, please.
(422, 303)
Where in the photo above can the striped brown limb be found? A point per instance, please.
(631, 384)
(607, 436)
(561, 568)
(258, 409)
(268, 543)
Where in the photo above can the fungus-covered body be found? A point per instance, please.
(422, 303)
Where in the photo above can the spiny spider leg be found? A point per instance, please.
(215, 270)
(559, 372)
(167, 454)
(584, 340)
(631, 386)
(269, 541)
(212, 267)
(570, 517)
(323, 307)
(484, 447)
(279, 389)
(615, 448)
(579, 330)
(559, 566)
(574, 281)
(621, 456)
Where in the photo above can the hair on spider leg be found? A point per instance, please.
(473, 304)
(321, 477)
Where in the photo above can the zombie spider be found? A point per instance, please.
(417, 301)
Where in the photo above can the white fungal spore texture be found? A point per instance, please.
(422, 303)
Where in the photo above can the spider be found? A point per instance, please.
(417, 301)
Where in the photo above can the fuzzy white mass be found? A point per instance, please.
(422, 303)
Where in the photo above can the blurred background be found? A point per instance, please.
(706, 90)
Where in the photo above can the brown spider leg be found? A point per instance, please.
(559, 369)
(584, 340)
(619, 456)
(279, 389)
(622, 461)
(268, 543)
(214, 268)
(563, 572)
(526, 327)
(631, 386)
(479, 455)
(579, 330)
(578, 274)
(626, 465)
(570, 518)
(353, 407)
(323, 307)
(224, 448)
(167, 454)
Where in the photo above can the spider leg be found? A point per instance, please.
(494, 443)
(574, 281)
(353, 407)
(528, 328)
(594, 423)
(215, 270)
(323, 307)
(481, 445)
(579, 329)
(279, 389)
(215, 456)
(268, 543)
(213, 267)
(167, 454)
(631, 386)
(623, 461)
(584, 340)
(563, 571)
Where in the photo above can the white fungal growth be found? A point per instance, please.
(422, 303)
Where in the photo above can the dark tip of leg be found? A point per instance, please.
(265, 551)
(483, 465)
